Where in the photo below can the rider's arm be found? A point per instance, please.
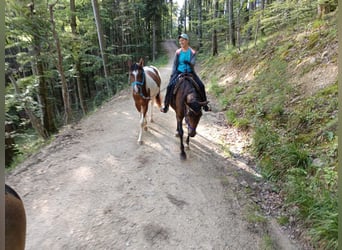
(175, 65)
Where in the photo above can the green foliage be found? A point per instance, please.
(274, 88)
(215, 89)
(27, 144)
(283, 220)
(127, 27)
(231, 117)
(316, 205)
(280, 15)
(293, 128)
(295, 155)
(264, 139)
(242, 123)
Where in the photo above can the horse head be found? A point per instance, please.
(187, 105)
(193, 115)
(136, 75)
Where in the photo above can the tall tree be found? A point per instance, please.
(65, 92)
(232, 38)
(76, 56)
(185, 15)
(102, 42)
(171, 21)
(153, 14)
(35, 121)
(214, 35)
(200, 21)
(36, 26)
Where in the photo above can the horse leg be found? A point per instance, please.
(180, 132)
(188, 141)
(141, 122)
(144, 111)
(152, 103)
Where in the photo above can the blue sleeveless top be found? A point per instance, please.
(184, 56)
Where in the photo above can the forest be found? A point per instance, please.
(63, 59)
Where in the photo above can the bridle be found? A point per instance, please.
(188, 109)
(138, 84)
(188, 123)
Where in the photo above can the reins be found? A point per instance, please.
(140, 85)
(187, 123)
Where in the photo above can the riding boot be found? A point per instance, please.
(206, 108)
(202, 91)
(167, 99)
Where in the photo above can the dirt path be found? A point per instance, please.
(94, 187)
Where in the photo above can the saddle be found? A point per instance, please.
(180, 79)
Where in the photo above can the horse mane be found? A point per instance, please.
(135, 66)
(194, 88)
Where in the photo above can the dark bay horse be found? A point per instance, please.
(187, 105)
(15, 220)
(146, 83)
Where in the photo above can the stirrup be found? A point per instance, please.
(206, 108)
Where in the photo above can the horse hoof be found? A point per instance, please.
(183, 156)
(145, 128)
(176, 135)
(140, 142)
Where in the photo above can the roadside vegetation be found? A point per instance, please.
(283, 91)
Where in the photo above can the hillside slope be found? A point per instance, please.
(282, 92)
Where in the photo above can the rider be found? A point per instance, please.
(184, 62)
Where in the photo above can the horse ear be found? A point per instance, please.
(141, 62)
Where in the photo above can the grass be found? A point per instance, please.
(294, 132)
(26, 145)
(267, 243)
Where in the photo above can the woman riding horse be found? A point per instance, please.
(184, 62)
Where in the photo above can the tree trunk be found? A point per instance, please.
(189, 17)
(35, 121)
(214, 36)
(154, 39)
(171, 28)
(200, 20)
(45, 104)
(102, 42)
(73, 25)
(185, 13)
(232, 38)
(66, 97)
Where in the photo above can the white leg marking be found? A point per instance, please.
(151, 110)
(141, 122)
